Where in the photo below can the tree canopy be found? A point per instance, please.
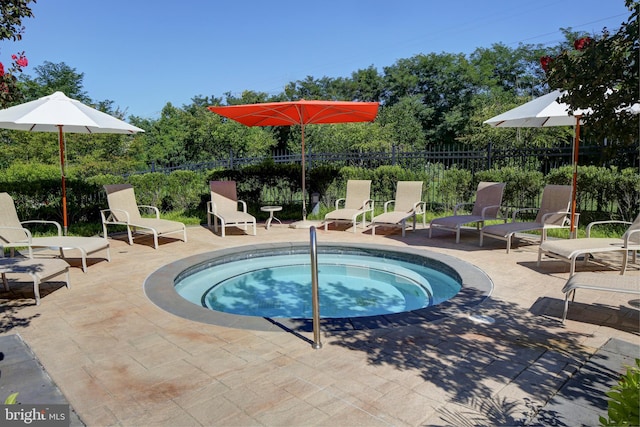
(601, 73)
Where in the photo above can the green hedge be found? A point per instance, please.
(36, 189)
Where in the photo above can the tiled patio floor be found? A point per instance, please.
(120, 360)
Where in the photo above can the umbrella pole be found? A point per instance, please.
(576, 144)
(304, 203)
(64, 184)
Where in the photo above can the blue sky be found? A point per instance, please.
(142, 54)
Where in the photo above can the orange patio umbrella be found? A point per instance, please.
(299, 113)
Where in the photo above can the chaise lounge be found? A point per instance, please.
(488, 205)
(553, 213)
(570, 250)
(39, 270)
(407, 204)
(223, 208)
(356, 203)
(13, 235)
(123, 210)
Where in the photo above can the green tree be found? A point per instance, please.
(12, 12)
(51, 77)
(444, 84)
(602, 73)
(402, 123)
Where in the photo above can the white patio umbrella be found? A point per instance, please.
(546, 111)
(59, 113)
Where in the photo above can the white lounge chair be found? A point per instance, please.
(356, 203)
(39, 270)
(598, 282)
(569, 250)
(13, 235)
(223, 207)
(553, 213)
(123, 210)
(407, 204)
(488, 205)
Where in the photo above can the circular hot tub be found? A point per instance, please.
(361, 286)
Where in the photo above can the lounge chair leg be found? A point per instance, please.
(129, 235)
(84, 260)
(36, 288)
(625, 259)
(566, 307)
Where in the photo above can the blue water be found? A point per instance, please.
(349, 286)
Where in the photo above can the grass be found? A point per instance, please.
(294, 212)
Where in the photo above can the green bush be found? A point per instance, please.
(184, 189)
(150, 188)
(36, 189)
(623, 406)
(455, 187)
(523, 188)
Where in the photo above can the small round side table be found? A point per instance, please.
(271, 210)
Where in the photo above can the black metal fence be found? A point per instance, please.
(542, 159)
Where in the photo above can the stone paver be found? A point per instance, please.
(120, 360)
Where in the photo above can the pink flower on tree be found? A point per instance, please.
(22, 61)
(1, 69)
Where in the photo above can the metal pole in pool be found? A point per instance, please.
(314, 289)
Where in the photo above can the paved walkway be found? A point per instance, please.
(120, 360)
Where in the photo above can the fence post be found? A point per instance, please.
(393, 155)
(230, 158)
(489, 145)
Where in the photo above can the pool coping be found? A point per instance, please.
(159, 287)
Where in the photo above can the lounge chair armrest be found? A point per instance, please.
(419, 207)
(387, 203)
(519, 211)
(551, 214)
(611, 221)
(627, 237)
(244, 205)
(486, 208)
(340, 201)
(26, 232)
(109, 217)
(41, 221)
(152, 209)
(458, 206)
(368, 205)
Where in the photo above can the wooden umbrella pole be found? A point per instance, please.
(574, 193)
(64, 184)
(304, 205)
